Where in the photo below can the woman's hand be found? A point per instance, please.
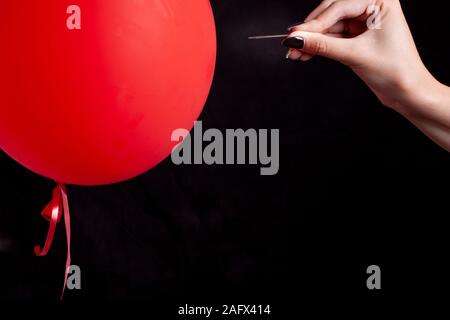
(372, 37)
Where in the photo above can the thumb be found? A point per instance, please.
(340, 49)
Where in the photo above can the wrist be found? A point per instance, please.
(415, 93)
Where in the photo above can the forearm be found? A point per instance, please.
(384, 56)
(427, 106)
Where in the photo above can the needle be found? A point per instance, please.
(268, 37)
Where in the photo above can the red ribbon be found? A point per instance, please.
(52, 213)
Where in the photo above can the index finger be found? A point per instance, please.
(337, 11)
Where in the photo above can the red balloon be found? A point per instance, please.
(98, 105)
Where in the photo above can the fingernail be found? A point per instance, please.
(294, 54)
(294, 25)
(289, 53)
(294, 42)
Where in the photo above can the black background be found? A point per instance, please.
(358, 185)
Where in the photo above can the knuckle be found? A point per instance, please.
(319, 47)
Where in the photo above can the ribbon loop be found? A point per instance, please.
(53, 213)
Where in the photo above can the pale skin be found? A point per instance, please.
(386, 59)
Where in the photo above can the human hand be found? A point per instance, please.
(372, 37)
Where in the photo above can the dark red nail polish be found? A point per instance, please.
(294, 42)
